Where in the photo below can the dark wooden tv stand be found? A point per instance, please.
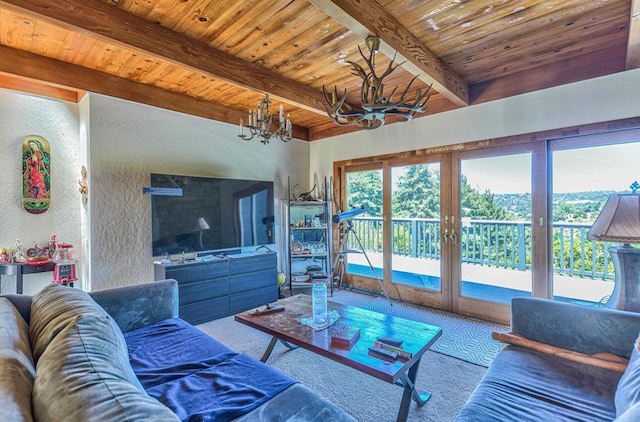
(224, 285)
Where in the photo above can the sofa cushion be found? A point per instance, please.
(17, 370)
(198, 377)
(628, 391)
(297, 403)
(79, 377)
(521, 383)
(631, 415)
(54, 307)
(83, 359)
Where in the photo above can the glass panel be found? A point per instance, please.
(415, 231)
(364, 239)
(495, 239)
(583, 179)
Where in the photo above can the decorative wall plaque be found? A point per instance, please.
(36, 174)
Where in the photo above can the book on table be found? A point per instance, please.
(402, 354)
(344, 335)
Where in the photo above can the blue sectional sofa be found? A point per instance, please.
(123, 354)
(526, 385)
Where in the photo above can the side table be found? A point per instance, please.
(20, 269)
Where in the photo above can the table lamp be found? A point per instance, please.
(619, 221)
(200, 226)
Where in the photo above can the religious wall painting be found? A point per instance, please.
(36, 174)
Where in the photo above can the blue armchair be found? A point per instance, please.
(526, 385)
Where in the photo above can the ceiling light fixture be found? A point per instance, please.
(376, 106)
(260, 122)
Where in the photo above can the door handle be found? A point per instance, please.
(454, 237)
(445, 236)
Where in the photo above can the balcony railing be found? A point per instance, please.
(505, 244)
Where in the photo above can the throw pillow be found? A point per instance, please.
(16, 365)
(81, 376)
(628, 391)
(53, 308)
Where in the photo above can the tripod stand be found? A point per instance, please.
(339, 264)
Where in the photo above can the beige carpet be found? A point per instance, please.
(450, 380)
(463, 337)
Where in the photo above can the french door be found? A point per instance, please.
(396, 245)
(418, 201)
(447, 240)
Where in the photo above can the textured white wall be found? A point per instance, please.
(22, 115)
(602, 99)
(129, 141)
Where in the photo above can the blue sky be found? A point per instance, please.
(612, 167)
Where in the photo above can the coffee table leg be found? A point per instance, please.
(270, 347)
(272, 344)
(408, 381)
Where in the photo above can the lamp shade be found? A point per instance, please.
(200, 224)
(619, 220)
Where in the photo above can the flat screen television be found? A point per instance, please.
(211, 214)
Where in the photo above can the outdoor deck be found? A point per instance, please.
(496, 257)
(482, 282)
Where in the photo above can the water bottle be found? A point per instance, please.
(319, 300)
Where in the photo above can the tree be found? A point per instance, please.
(418, 193)
(480, 205)
(364, 188)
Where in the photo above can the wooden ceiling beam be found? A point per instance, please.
(113, 25)
(39, 88)
(32, 66)
(633, 45)
(367, 17)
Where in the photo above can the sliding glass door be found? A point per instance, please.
(584, 176)
(492, 230)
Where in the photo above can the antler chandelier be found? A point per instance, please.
(376, 106)
(260, 122)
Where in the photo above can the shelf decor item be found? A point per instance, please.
(619, 221)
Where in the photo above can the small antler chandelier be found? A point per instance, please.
(376, 106)
(260, 122)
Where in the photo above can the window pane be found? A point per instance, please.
(364, 189)
(495, 238)
(415, 230)
(583, 179)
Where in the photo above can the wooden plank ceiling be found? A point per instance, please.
(217, 59)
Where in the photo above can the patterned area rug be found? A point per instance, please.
(464, 338)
